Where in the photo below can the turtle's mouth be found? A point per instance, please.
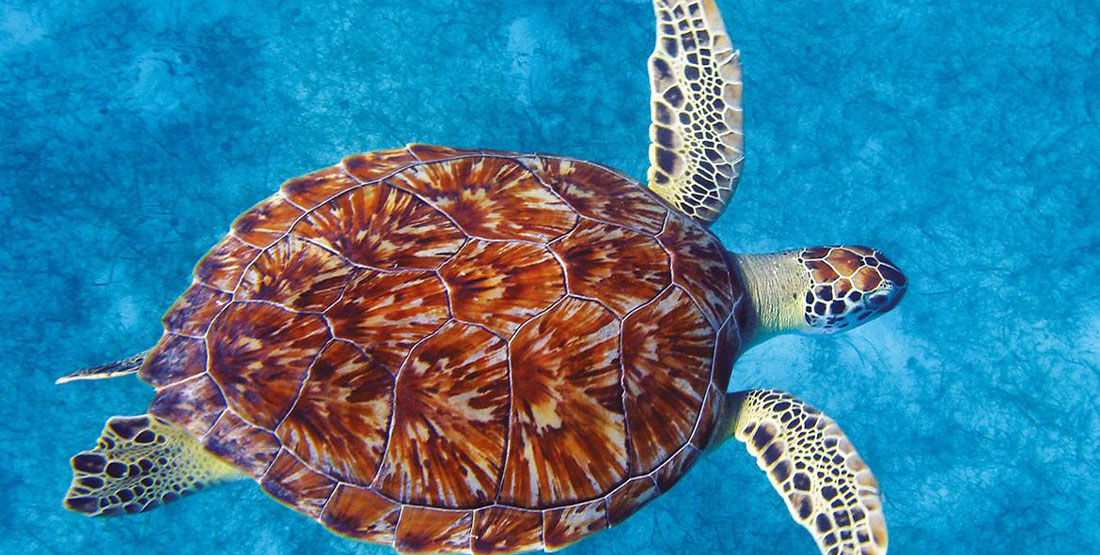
(885, 297)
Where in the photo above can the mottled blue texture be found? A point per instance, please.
(959, 137)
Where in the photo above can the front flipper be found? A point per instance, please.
(139, 463)
(696, 145)
(812, 465)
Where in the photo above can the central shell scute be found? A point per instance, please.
(382, 227)
(490, 198)
(386, 313)
(451, 416)
(568, 436)
(500, 285)
(619, 267)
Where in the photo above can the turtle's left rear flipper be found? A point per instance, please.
(814, 468)
(128, 365)
(139, 463)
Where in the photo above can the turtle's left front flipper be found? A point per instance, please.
(696, 144)
(814, 468)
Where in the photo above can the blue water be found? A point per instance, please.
(959, 137)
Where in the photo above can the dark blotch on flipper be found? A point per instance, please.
(89, 462)
(146, 436)
(116, 470)
(86, 505)
(127, 428)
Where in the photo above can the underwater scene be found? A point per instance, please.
(962, 138)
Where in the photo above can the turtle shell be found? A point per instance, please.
(456, 351)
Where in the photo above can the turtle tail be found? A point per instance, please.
(140, 463)
(128, 365)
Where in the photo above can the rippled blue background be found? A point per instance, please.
(960, 137)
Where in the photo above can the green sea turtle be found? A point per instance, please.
(470, 351)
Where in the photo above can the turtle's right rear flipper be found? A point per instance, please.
(812, 465)
(128, 365)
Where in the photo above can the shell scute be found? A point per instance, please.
(568, 437)
(373, 166)
(667, 350)
(175, 358)
(499, 530)
(600, 193)
(192, 313)
(490, 198)
(259, 343)
(221, 268)
(674, 468)
(450, 420)
(194, 404)
(295, 274)
(383, 227)
(567, 525)
(386, 313)
(500, 285)
(339, 421)
(713, 406)
(432, 153)
(313, 189)
(425, 530)
(266, 222)
(361, 514)
(699, 266)
(297, 485)
(621, 268)
(251, 448)
(628, 498)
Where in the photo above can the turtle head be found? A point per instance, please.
(819, 290)
(848, 286)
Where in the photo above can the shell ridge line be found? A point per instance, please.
(580, 215)
(305, 378)
(519, 162)
(508, 424)
(627, 437)
(561, 263)
(393, 405)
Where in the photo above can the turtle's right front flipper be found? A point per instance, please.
(814, 468)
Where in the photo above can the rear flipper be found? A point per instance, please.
(812, 465)
(128, 365)
(139, 463)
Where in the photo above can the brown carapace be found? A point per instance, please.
(460, 351)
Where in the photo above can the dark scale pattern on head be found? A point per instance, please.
(847, 286)
(462, 338)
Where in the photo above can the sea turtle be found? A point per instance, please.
(470, 351)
